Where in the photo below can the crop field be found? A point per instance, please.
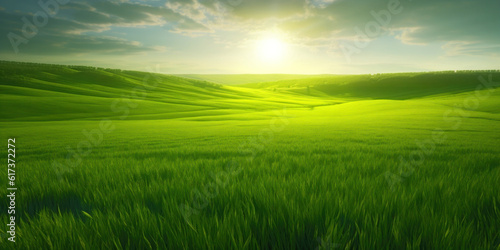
(112, 159)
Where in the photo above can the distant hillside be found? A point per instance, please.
(43, 92)
(382, 86)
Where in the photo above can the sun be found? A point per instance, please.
(271, 49)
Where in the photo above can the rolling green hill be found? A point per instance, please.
(56, 92)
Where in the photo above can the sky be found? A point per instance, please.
(255, 36)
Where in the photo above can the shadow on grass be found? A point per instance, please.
(67, 202)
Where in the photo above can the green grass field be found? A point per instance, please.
(111, 159)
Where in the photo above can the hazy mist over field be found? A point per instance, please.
(250, 124)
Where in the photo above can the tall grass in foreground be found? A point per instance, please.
(318, 180)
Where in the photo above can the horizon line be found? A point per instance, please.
(298, 74)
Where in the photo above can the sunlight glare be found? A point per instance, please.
(271, 49)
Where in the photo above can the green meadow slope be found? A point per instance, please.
(54, 92)
(396, 161)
